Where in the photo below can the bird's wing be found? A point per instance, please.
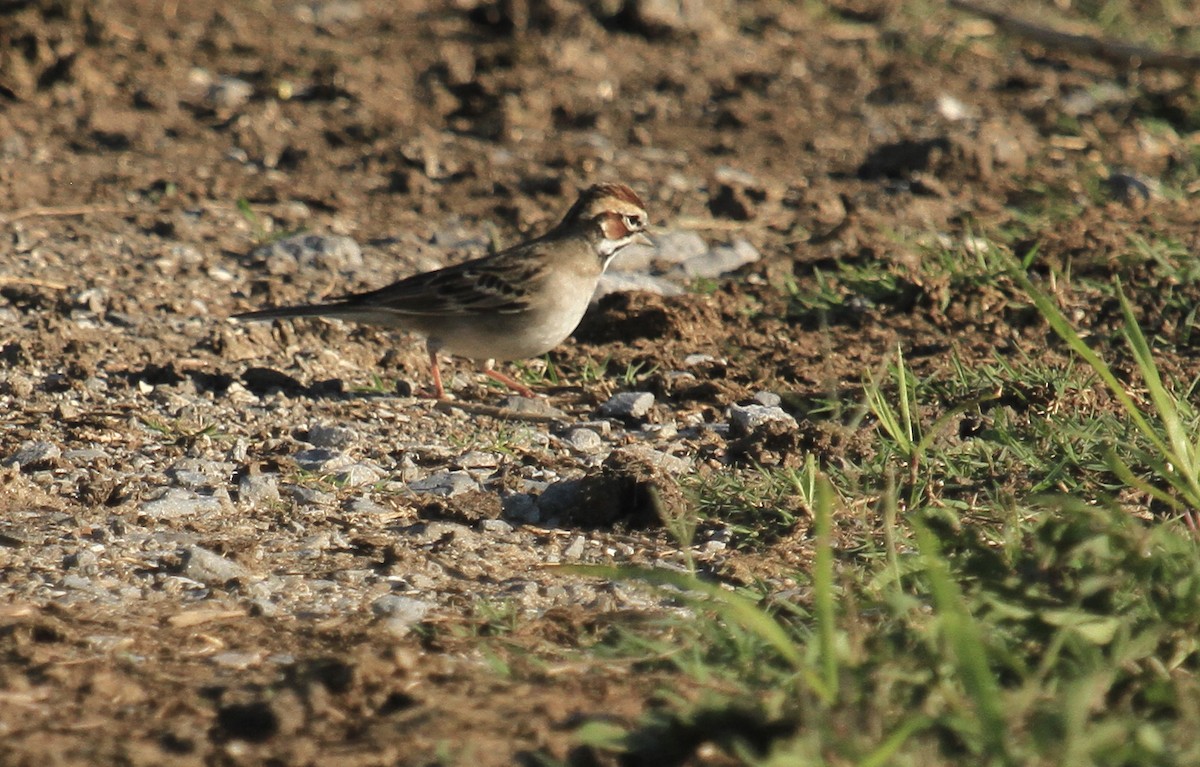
(493, 284)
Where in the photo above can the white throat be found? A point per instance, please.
(609, 248)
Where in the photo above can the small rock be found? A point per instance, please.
(477, 459)
(178, 502)
(357, 474)
(323, 460)
(209, 567)
(768, 399)
(746, 418)
(678, 246)
(322, 252)
(229, 93)
(497, 526)
(365, 506)
(721, 259)
(584, 441)
(628, 282)
(331, 436)
(628, 404)
(236, 660)
(446, 483)
(575, 550)
(531, 406)
(258, 489)
(660, 460)
(34, 454)
(395, 606)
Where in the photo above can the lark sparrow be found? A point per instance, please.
(518, 303)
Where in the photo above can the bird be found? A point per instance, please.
(517, 303)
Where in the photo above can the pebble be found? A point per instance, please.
(671, 464)
(477, 459)
(768, 399)
(209, 567)
(398, 606)
(357, 474)
(746, 418)
(631, 282)
(33, 452)
(584, 440)
(498, 526)
(719, 260)
(531, 406)
(178, 502)
(365, 506)
(628, 404)
(258, 489)
(322, 459)
(679, 246)
(445, 483)
(331, 436)
(310, 495)
(85, 455)
(323, 252)
(575, 549)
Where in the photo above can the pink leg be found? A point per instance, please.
(510, 382)
(438, 391)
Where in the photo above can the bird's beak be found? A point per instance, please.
(641, 238)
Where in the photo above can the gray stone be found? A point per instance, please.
(357, 474)
(321, 459)
(178, 502)
(746, 418)
(668, 463)
(85, 455)
(322, 252)
(209, 567)
(768, 399)
(629, 282)
(310, 495)
(721, 259)
(575, 549)
(446, 483)
(365, 506)
(533, 406)
(628, 404)
(584, 441)
(495, 526)
(679, 247)
(32, 453)
(258, 489)
(188, 478)
(331, 436)
(396, 606)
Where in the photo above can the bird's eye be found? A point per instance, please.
(632, 223)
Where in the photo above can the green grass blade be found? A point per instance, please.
(966, 643)
(823, 598)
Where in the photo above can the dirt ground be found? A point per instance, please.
(185, 578)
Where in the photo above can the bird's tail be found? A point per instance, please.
(339, 311)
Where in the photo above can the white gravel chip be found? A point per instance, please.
(258, 489)
(747, 418)
(178, 502)
(209, 567)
